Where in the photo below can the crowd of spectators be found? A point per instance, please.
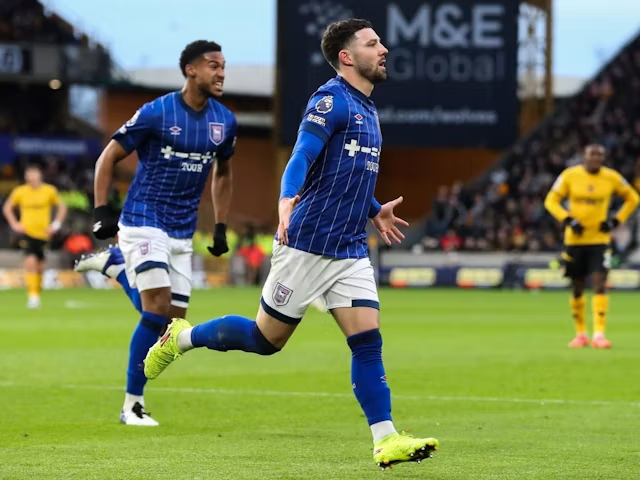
(504, 210)
(35, 109)
(26, 20)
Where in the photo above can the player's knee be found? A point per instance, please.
(155, 292)
(31, 263)
(263, 346)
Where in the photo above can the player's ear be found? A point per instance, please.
(190, 70)
(345, 57)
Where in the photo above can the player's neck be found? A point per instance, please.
(194, 99)
(356, 81)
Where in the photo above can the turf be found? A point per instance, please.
(488, 373)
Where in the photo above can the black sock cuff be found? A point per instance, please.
(266, 347)
(154, 322)
(368, 337)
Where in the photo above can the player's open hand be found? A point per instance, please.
(285, 207)
(386, 223)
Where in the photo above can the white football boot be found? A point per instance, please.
(137, 416)
(109, 262)
(33, 302)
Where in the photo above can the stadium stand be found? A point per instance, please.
(33, 108)
(504, 209)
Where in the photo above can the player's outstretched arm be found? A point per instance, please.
(387, 223)
(106, 223)
(306, 150)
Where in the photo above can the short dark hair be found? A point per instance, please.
(339, 35)
(194, 50)
(33, 166)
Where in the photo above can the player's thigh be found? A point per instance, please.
(353, 299)
(146, 253)
(576, 261)
(274, 329)
(599, 266)
(599, 258)
(296, 279)
(33, 251)
(180, 274)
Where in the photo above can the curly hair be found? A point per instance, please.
(194, 50)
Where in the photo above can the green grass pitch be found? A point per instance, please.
(488, 373)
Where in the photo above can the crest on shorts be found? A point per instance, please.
(281, 295)
(144, 247)
(216, 132)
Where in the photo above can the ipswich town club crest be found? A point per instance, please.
(281, 295)
(216, 132)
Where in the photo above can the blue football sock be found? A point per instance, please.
(368, 379)
(232, 332)
(144, 336)
(132, 293)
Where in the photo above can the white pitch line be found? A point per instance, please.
(272, 393)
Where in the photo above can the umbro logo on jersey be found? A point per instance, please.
(358, 118)
(352, 147)
(175, 130)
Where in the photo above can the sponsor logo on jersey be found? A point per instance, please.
(196, 160)
(316, 119)
(353, 147)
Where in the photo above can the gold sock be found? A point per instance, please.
(39, 277)
(600, 307)
(578, 310)
(32, 281)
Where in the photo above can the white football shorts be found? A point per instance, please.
(297, 278)
(166, 260)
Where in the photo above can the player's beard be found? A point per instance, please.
(371, 72)
(207, 91)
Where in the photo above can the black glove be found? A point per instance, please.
(608, 225)
(220, 246)
(105, 223)
(574, 225)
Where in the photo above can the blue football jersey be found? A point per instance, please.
(337, 194)
(176, 146)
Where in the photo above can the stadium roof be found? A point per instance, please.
(259, 80)
(253, 80)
